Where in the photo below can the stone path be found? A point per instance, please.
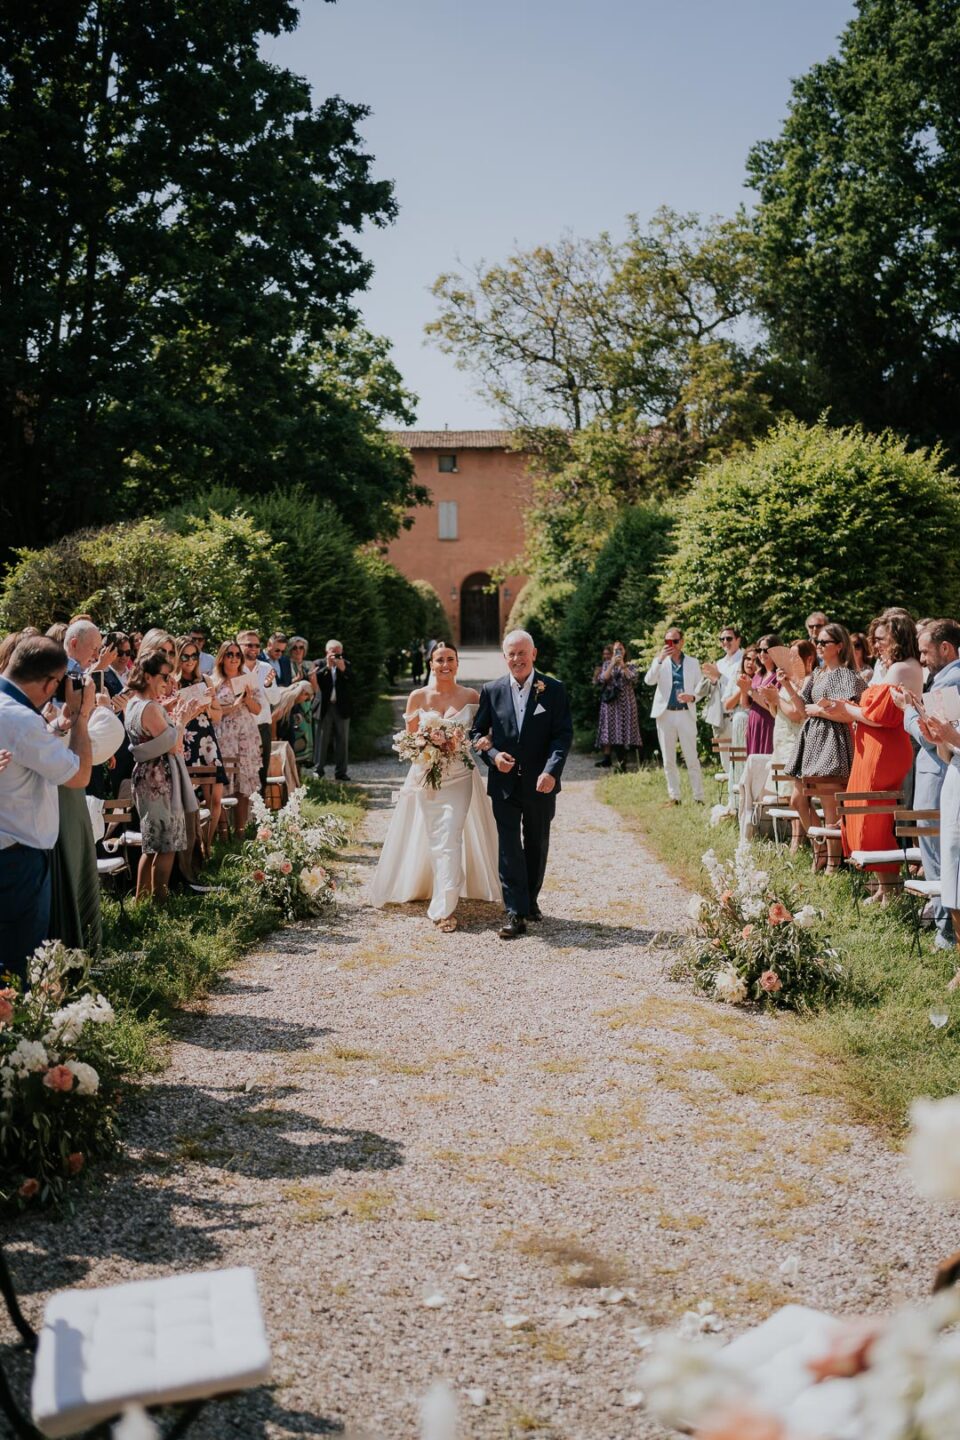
(418, 1140)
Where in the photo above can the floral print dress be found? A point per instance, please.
(201, 746)
(239, 741)
(164, 829)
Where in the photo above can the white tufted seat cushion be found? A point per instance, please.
(153, 1342)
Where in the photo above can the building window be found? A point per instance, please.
(447, 464)
(448, 520)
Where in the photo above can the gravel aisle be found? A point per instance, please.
(377, 1116)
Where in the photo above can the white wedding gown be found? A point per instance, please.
(441, 844)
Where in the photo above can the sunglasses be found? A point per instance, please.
(822, 644)
(763, 649)
(728, 637)
(233, 654)
(190, 655)
(124, 652)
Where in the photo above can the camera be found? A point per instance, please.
(75, 682)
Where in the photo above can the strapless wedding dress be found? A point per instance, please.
(440, 844)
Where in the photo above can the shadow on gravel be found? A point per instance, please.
(380, 793)
(247, 1032)
(251, 1414)
(591, 935)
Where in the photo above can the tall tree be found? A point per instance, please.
(175, 258)
(859, 226)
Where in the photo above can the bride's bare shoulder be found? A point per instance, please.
(470, 696)
(415, 701)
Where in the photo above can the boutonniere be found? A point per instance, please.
(539, 686)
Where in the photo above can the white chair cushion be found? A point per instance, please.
(824, 832)
(885, 857)
(132, 837)
(228, 802)
(780, 812)
(930, 888)
(153, 1342)
(111, 866)
(203, 813)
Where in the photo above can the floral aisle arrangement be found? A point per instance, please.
(286, 860)
(435, 746)
(59, 1076)
(754, 943)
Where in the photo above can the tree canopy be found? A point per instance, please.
(177, 270)
(858, 227)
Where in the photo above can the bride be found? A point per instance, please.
(441, 844)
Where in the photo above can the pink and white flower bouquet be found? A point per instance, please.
(753, 942)
(435, 747)
(288, 860)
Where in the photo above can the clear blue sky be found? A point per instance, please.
(506, 122)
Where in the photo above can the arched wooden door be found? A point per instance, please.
(479, 611)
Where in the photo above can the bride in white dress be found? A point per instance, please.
(440, 844)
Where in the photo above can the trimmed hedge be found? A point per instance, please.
(541, 609)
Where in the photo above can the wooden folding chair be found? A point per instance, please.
(773, 802)
(120, 821)
(229, 802)
(853, 803)
(178, 1340)
(916, 825)
(721, 748)
(204, 778)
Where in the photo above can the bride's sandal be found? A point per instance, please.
(448, 925)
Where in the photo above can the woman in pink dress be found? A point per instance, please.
(237, 730)
(764, 699)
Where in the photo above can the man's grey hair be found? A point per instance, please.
(330, 644)
(79, 630)
(514, 637)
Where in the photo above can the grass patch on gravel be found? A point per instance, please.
(875, 1047)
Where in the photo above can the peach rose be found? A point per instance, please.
(8, 993)
(740, 1423)
(263, 833)
(726, 897)
(6, 1011)
(75, 1163)
(849, 1351)
(778, 914)
(259, 876)
(747, 931)
(771, 982)
(285, 867)
(28, 1189)
(58, 1077)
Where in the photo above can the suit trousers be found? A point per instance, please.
(723, 732)
(680, 727)
(926, 796)
(332, 724)
(523, 832)
(24, 905)
(266, 740)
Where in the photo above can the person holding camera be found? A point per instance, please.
(619, 725)
(678, 681)
(333, 704)
(29, 803)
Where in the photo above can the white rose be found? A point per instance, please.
(684, 1382)
(88, 1081)
(805, 917)
(695, 907)
(274, 860)
(933, 1149)
(29, 1055)
(730, 987)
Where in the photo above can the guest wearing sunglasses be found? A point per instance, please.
(237, 729)
(200, 744)
(824, 749)
(678, 681)
(763, 699)
(722, 676)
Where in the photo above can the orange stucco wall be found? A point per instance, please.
(492, 489)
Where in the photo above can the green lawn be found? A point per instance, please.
(878, 1040)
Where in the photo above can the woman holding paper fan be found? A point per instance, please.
(441, 843)
(200, 744)
(237, 729)
(883, 753)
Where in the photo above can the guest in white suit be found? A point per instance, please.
(679, 681)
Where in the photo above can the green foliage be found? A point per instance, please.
(402, 607)
(815, 518)
(179, 278)
(857, 227)
(436, 623)
(224, 573)
(617, 600)
(540, 608)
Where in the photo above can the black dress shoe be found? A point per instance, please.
(513, 926)
(535, 913)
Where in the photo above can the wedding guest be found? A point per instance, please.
(277, 658)
(619, 725)
(763, 699)
(824, 750)
(815, 623)
(237, 729)
(605, 760)
(161, 786)
(946, 737)
(157, 639)
(8, 644)
(737, 707)
(677, 679)
(262, 676)
(114, 674)
(200, 743)
(878, 644)
(940, 655)
(300, 724)
(199, 638)
(29, 781)
(883, 754)
(83, 644)
(722, 676)
(57, 632)
(861, 656)
(786, 728)
(334, 702)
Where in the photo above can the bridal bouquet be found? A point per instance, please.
(434, 746)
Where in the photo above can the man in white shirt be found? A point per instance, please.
(29, 805)
(249, 642)
(722, 679)
(678, 680)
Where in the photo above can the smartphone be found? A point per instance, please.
(97, 678)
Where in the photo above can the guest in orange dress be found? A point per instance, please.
(883, 753)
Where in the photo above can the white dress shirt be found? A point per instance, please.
(206, 663)
(29, 807)
(520, 695)
(259, 671)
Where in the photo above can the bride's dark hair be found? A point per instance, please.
(441, 645)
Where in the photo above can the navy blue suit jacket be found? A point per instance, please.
(541, 747)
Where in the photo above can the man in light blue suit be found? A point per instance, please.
(940, 653)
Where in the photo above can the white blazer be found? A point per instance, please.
(660, 674)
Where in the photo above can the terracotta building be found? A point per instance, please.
(480, 490)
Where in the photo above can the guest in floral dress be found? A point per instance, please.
(161, 787)
(238, 731)
(619, 727)
(200, 744)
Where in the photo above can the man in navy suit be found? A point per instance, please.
(526, 719)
